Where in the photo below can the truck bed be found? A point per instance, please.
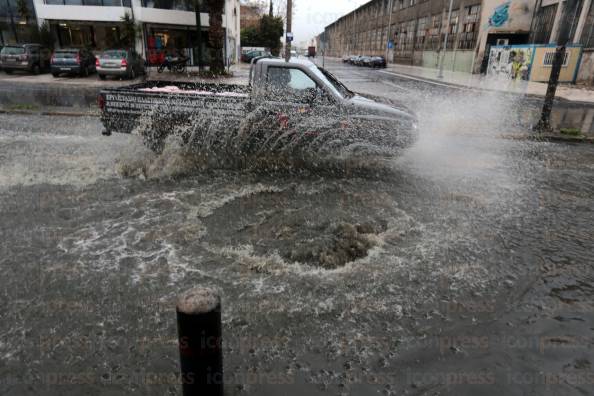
(170, 102)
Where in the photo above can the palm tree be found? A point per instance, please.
(23, 10)
(216, 35)
(196, 5)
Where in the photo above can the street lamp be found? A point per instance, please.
(445, 42)
(390, 9)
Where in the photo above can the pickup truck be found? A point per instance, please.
(286, 106)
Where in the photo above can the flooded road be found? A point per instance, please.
(462, 267)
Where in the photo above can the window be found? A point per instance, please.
(587, 39)
(289, 82)
(543, 24)
(469, 29)
(452, 29)
(550, 56)
(434, 39)
(421, 31)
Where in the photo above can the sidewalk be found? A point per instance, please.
(478, 81)
(240, 73)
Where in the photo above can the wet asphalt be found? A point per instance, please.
(462, 267)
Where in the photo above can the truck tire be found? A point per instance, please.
(35, 69)
(102, 76)
(8, 71)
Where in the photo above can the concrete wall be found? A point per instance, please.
(459, 60)
(541, 73)
(586, 71)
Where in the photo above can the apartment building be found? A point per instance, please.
(164, 25)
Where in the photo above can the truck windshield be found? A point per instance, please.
(13, 51)
(340, 87)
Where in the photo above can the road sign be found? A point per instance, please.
(390, 44)
(289, 36)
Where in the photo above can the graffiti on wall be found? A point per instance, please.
(500, 15)
(510, 62)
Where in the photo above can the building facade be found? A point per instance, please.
(546, 24)
(413, 32)
(163, 25)
(15, 27)
(250, 16)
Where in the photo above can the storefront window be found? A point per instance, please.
(181, 5)
(162, 41)
(98, 36)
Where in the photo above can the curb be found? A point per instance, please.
(549, 137)
(470, 88)
(49, 113)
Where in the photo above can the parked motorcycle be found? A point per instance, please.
(178, 65)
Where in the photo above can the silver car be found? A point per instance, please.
(124, 63)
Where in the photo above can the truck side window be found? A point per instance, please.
(290, 83)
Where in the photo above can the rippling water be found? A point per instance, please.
(343, 272)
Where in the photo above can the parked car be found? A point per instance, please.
(346, 59)
(123, 63)
(32, 58)
(378, 61)
(354, 59)
(360, 61)
(73, 61)
(248, 56)
(367, 61)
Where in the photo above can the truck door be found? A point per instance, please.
(294, 96)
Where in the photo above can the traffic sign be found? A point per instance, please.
(390, 44)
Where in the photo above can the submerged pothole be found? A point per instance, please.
(301, 228)
(339, 245)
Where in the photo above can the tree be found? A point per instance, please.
(267, 34)
(250, 36)
(271, 30)
(129, 31)
(23, 10)
(216, 35)
(42, 35)
(46, 37)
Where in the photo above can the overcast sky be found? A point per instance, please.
(311, 16)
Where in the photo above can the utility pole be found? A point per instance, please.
(390, 8)
(445, 41)
(289, 28)
(544, 124)
(199, 32)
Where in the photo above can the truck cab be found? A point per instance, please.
(302, 81)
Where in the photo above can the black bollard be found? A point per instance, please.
(200, 348)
